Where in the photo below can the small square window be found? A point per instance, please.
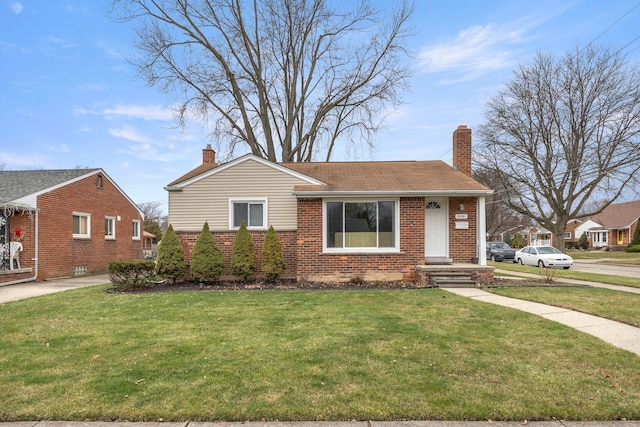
(252, 212)
(109, 227)
(81, 226)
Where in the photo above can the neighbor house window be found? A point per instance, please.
(361, 225)
(135, 232)
(109, 227)
(567, 235)
(252, 212)
(81, 225)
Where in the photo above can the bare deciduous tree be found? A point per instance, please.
(563, 133)
(500, 218)
(285, 78)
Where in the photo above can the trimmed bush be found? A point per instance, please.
(272, 258)
(632, 248)
(243, 259)
(170, 262)
(207, 262)
(636, 234)
(583, 241)
(518, 241)
(129, 274)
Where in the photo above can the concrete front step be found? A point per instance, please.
(452, 279)
(454, 283)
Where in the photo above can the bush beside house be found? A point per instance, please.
(243, 259)
(273, 263)
(207, 263)
(170, 263)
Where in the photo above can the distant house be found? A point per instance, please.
(339, 221)
(73, 222)
(613, 228)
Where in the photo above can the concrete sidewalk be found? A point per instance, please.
(618, 334)
(557, 423)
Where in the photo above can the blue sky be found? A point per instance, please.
(69, 99)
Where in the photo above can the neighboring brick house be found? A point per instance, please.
(74, 222)
(339, 221)
(613, 228)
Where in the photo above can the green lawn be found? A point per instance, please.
(569, 274)
(619, 306)
(302, 355)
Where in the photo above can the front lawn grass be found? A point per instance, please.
(570, 274)
(302, 355)
(614, 305)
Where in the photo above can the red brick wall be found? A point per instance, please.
(59, 252)
(462, 149)
(315, 265)
(306, 261)
(463, 242)
(225, 243)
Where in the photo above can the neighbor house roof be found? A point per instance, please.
(407, 177)
(19, 188)
(15, 185)
(618, 215)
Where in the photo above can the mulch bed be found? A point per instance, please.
(167, 286)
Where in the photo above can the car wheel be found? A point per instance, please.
(520, 261)
(566, 268)
(541, 264)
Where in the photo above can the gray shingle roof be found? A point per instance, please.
(17, 184)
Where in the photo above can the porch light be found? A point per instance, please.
(461, 207)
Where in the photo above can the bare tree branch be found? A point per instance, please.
(564, 132)
(286, 79)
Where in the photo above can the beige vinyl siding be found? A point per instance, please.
(208, 198)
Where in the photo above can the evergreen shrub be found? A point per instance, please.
(243, 259)
(130, 274)
(273, 263)
(207, 262)
(170, 262)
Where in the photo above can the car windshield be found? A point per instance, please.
(501, 245)
(548, 250)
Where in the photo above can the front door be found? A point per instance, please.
(436, 228)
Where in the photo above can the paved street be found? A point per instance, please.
(593, 266)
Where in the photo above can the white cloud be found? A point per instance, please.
(57, 42)
(127, 132)
(62, 148)
(474, 50)
(12, 160)
(16, 7)
(148, 112)
(109, 50)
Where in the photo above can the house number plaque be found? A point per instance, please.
(462, 216)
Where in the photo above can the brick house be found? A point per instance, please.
(613, 228)
(338, 221)
(73, 221)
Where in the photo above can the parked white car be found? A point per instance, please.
(543, 256)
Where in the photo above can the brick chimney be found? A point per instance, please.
(462, 149)
(208, 155)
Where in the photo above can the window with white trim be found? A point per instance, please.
(81, 225)
(367, 225)
(135, 229)
(109, 227)
(252, 211)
